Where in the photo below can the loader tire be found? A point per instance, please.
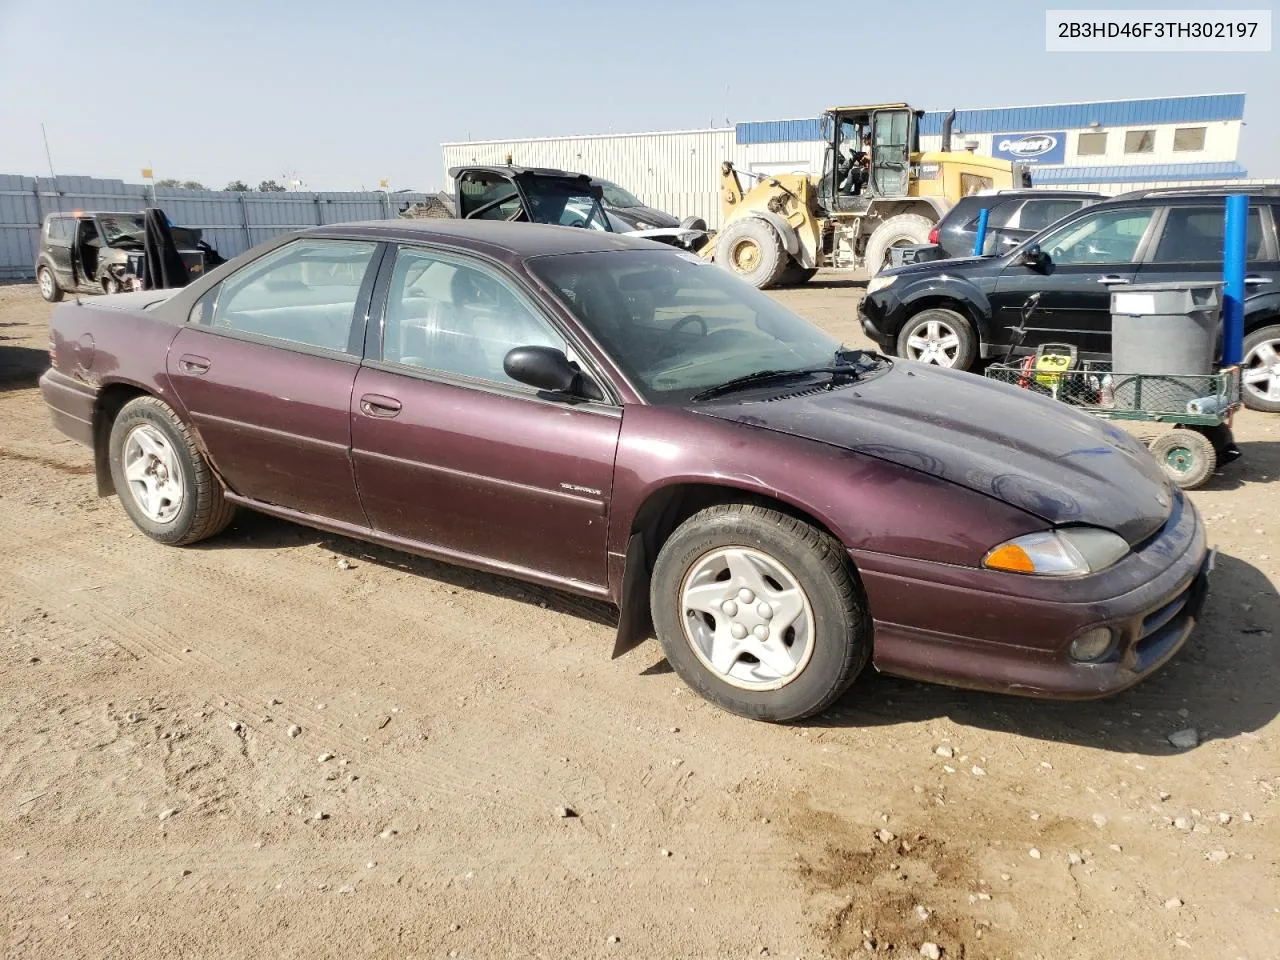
(795, 275)
(900, 231)
(752, 249)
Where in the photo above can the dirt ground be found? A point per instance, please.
(251, 749)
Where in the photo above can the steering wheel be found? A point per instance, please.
(576, 223)
(685, 321)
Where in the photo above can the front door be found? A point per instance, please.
(453, 455)
(1086, 259)
(266, 367)
(891, 143)
(62, 232)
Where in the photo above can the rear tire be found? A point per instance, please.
(164, 482)
(1262, 362)
(760, 581)
(752, 249)
(941, 337)
(49, 288)
(1186, 457)
(900, 231)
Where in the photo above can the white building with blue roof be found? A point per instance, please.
(1107, 145)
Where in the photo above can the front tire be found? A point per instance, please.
(938, 336)
(1260, 372)
(759, 612)
(164, 482)
(752, 249)
(49, 288)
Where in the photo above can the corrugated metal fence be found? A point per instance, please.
(231, 222)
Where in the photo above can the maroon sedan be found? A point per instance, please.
(615, 418)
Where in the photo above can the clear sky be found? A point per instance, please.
(341, 94)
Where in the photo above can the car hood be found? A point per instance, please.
(634, 215)
(1031, 452)
(958, 266)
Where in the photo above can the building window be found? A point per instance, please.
(1188, 138)
(1140, 141)
(1091, 144)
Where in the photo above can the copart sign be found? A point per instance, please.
(1041, 148)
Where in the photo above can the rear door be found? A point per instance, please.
(1191, 241)
(265, 369)
(60, 234)
(453, 455)
(1088, 258)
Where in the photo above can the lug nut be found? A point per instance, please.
(738, 631)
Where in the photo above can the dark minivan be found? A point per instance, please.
(953, 312)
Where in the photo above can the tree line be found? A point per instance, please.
(235, 186)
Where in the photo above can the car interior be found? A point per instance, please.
(88, 245)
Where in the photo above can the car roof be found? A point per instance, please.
(498, 238)
(514, 171)
(1197, 194)
(81, 214)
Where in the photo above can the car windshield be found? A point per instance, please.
(123, 228)
(615, 196)
(678, 325)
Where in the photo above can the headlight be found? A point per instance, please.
(1069, 552)
(879, 283)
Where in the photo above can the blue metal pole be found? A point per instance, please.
(980, 240)
(1233, 262)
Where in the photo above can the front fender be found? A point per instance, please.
(973, 300)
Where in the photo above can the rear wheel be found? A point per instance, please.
(1186, 457)
(1260, 386)
(49, 288)
(940, 337)
(759, 612)
(163, 480)
(904, 230)
(752, 249)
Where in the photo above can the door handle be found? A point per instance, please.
(190, 363)
(1249, 280)
(376, 405)
(1112, 281)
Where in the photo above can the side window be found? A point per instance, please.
(1038, 214)
(448, 316)
(1107, 236)
(303, 293)
(60, 230)
(1197, 234)
(488, 198)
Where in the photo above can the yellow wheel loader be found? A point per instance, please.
(878, 191)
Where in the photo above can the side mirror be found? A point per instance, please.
(1032, 257)
(546, 368)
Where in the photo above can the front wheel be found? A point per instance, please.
(940, 337)
(164, 482)
(49, 288)
(1186, 457)
(752, 249)
(759, 612)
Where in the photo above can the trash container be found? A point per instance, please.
(1164, 344)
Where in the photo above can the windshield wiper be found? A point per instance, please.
(763, 377)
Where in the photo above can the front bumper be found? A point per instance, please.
(875, 323)
(1017, 630)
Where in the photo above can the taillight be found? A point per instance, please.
(933, 235)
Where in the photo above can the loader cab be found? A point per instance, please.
(868, 155)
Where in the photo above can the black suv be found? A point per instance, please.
(1013, 216)
(951, 312)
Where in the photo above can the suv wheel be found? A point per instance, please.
(49, 288)
(1260, 372)
(941, 337)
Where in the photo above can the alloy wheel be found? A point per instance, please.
(154, 473)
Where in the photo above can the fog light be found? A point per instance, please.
(1092, 645)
